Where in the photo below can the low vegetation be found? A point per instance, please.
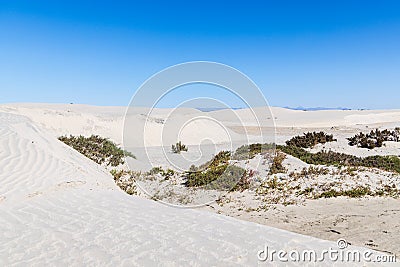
(217, 174)
(221, 173)
(178, 147)
(374, 138)
(309, 140)
(250, 151)
(125, 180)
(277, 166)
(166, 174)
(387, 163)
(361, 191)
(100, 150)
(357, 192)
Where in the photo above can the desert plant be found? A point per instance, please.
(309, 140)
(117, 174)
(179, 147)
(155, 170)
(221, 158)
(125, 180)
(217, 174)
(352, 193)
(168, 173)
(387, 163)
(277, 166)
(100, 150)
(249, 151)
(374, 138)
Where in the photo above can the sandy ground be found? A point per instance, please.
(59, 208)
(369, 222)
(44, 184)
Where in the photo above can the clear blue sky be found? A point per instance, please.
(300, 53)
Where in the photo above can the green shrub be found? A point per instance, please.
(125, 180)
(221, 158)
(249, 151)
(277, 166)
(233, 178)
(164, 173)
(273, 183)
(100, 150)
(387, 163)
(374, 138)
(217, 174)
(117, 174)
(309, 140)
(352, 193)
(178, 147)
(155, 170)
(205, 177)
(167, 173)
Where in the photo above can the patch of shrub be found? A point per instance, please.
(221, 158)
(217, 174)
(273, 183)
(309, 140)
(124, 180)
(155, 170)
(202, 178)
(249, 151)
(374, 138)
(179, 147)
(277, 166)
(357, 192)
(387, 163)
(100, 150)
(314, 171)
(159, 170)
(388, 190)
(234, 178)
(307, 191)
(167, 173)
(118, 174)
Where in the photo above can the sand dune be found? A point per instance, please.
(61, 119)
(57, 207)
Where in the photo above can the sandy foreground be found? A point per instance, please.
(58, 207)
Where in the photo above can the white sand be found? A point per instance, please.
(57, 207)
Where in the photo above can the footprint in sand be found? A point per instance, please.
(34, 194)
(71, 184)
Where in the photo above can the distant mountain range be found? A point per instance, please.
(298, 108)
(317, 108)
(214, 109)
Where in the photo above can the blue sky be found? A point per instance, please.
(300, 53)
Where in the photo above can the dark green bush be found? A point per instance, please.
(178, 147)
(100, 150)
(155, 170)
(167, 173)
(221, 158)
(352, 193)
(309, 139)
(277, 166)
(387, 163)
(217, 174)
(249, 151)
(374, 138)
(118, 174)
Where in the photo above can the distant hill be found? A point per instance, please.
(214, 109)
(296, 108)
(317, 108)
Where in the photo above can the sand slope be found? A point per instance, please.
(61, 119)
(57, 207)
